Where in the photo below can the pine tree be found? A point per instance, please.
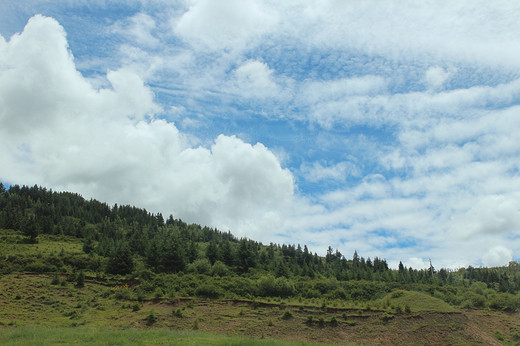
(120, 260)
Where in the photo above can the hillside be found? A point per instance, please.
(67, 262)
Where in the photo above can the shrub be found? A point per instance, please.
(268, 286)
(200, 266)
(136, 307)
(80, 279)
(208, 291)
(151, 318)
(177, 313)
(473, 300)
(505, 302)
(385, 317)
(39, 267)
(55, 280)
(309, 319)
(287, 315)
(333, 321)
(219, 269)
(122, 293)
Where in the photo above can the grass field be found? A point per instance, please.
(89, 336)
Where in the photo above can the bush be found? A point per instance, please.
(268, 286)
(55, 280)
(80, 279)
(200, 266)
(333, 321)
(219, 269)
(473, 300)
(287, 315)
(151, 318)
(309, 319)
(385, 317)
(39, 267)
(208, 291)
(505, 302)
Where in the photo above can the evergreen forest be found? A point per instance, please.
(162, 256)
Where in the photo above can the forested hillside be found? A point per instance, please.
(155, 252)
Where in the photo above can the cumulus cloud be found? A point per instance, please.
(255, 79)
(231, 25)
(58, 131)
(497, 256)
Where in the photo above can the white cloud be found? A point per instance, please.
(139, 29)
(497, 256)
(229, 25)
(255, 79)
(336, 172)
(435, 77)
(58, 131)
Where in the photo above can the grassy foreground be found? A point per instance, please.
(95, 336)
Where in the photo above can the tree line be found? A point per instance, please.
(122, 236)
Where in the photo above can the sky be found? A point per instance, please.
(390, 128)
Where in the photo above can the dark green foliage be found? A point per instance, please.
(287, 315)
(219, 269)
(275, 287)
(88, 245)
(208, 290)
(55, 280)
(151, 318)
(505, 302)
(333, 321)
(120, 260)
(80, 279)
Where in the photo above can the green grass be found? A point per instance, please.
(94, 336)
(417, 301)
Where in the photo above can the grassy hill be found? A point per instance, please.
(106, 309)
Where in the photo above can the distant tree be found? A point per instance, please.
(212, 252)
(30, 229)
(120, 260)
(245, 256)
(88, 245)
(355, 259)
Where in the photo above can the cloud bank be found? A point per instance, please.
(59, 131)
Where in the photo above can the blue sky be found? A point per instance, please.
(387, 128)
